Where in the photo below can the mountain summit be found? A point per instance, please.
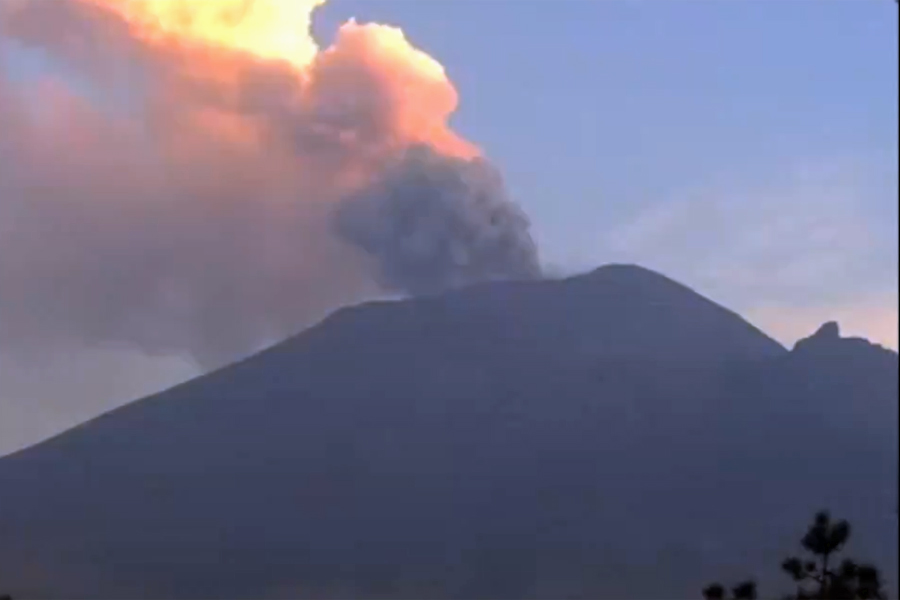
(608, 435)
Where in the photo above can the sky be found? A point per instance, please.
(746, 149)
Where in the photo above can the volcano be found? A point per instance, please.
(613, 434)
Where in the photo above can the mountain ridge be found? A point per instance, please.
(508, 440)
(627, 278)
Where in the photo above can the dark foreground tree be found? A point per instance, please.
(816, 578)
(743, 591)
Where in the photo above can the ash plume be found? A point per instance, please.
(432, 222)
(205, 180)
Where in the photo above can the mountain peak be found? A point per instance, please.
(655, 315)
(830, 331)
(624, 268)
(616, 310)
(628, 271)
(640, 281)
(825, 336)
(828, 340)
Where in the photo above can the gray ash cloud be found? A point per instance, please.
(433, 222)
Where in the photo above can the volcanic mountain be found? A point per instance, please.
(613, 434)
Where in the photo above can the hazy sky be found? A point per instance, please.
(748, 149)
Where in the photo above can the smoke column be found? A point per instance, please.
(433, 221)
(208, 179)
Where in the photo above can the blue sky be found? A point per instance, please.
(734, 119)
(746, 148)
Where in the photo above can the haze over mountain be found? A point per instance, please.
(608, 435)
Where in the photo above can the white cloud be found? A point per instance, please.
(804, 247)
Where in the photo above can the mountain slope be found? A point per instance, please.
(509, 440)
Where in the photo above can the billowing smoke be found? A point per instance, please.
(432, 221)
(204, 179)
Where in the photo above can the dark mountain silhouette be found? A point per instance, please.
(587, 437)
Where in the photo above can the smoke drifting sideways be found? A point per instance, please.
(205, 180)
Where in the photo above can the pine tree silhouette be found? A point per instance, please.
(849, 581)
(815, 578)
